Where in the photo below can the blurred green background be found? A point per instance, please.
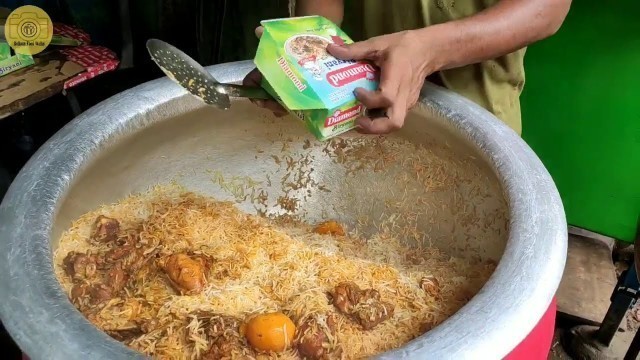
(581, 114)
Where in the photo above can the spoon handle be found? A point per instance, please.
(245, 91)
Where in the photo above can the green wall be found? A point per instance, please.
(581, 114)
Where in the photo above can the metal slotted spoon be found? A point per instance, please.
(189, 74)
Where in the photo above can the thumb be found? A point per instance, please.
(356, 51)
(259, 30)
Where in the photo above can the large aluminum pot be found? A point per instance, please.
(154, 133)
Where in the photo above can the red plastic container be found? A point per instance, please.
(537, 344)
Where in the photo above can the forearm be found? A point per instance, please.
(331, 9)
(501, 29)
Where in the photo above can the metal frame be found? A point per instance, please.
(623, 298)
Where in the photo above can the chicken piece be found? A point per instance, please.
(329, 228)
(226, 340)
(464, 295)
(316, 339)
(105, 229)
(126, 334)
(345, 297)
(426, 326)
(116, 279)
(369, 313)
(129, 236)
(148, 325)
(118, 253)
(128, 257)
(227, 349)
(87, 294)
(222, 325)
(137, 260)
(79, 266)
(100, 293)
(80, 294)
(430, 285)
(186, 274)
(364, 306)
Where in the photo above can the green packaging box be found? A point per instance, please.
(301, 75)
(8, 63)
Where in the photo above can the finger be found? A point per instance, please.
(360, 130)
(356, 51)
(270, 105)
(393, 121)
(373, 99)
(274, 107)
(258, 31)
(386, 94)
(375, 126)
(398, 112)
(253, 78)
(391, 76)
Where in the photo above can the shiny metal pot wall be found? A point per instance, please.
(155, 133)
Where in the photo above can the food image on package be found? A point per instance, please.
(309, 50)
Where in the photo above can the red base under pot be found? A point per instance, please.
(537, 344)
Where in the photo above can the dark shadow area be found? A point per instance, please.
(11, 351)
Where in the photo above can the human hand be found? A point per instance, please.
(404, 64)
(254, 78)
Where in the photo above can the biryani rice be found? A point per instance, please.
(262, 265)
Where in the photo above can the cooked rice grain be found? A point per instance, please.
(262, 266)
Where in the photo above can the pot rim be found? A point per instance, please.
(33, 306)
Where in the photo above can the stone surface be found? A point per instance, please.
(588, 281)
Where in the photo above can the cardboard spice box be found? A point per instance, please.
(300, 74)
